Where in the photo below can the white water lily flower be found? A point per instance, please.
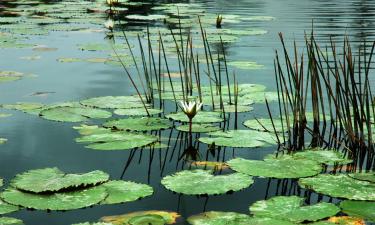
(191, 108)
(109, 24)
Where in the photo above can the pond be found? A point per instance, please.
(59, 56)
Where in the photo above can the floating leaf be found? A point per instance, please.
(210, 165)
(291, 208)
(114, 102)
(125, 191)
(10, 221)
(137, 112)
(6, 76)
(7, 208)
(53, 180)
(342, 220)
(232, 218)
(240, 138)
(340, 186)
(169, 217)
(328, 157)
(56, 201)
(3, 140)
(73, 114)
(246, 65)
(202, 182)
(258, 97)
(27, 107)
(87, 223)
(149, 17)
(370, 176)
(201, 117)
(266, 125)
(3, 115)
(362, 209)
(107, 140)
(139, 124)
(198, 128)
(276, 168)
(147, 219)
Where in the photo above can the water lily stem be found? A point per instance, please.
(190, 131)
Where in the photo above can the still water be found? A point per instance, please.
(36, 143)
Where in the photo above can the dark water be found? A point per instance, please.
(37, 143)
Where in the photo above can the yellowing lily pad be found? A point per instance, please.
(361, 209)
(169, 217)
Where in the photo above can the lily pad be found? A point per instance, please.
(73, 114)
(139, 124)
(55, 201)
(232, 218)
(125, 191)
(370, 176)
(148, 17)
(240, 138)
(6, 76)
(328, 157)
(246, 65)
(210, 165)
(340, 186)
(27, 107)
(146, 220)
(201, 117)
(361, 209)
(114, 102)
(7, 208)
(3, 140)
(169, 217)
(341, 220)
(291, 208)
(107, 140)
(266, 125)
(276, 168)
(10, 221)
(198, 128)
(202, 182)
(137, 112)
(53, 180)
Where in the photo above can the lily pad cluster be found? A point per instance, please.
(51, 189)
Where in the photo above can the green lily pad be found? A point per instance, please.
(1, 182)
(147, 220)
(276, 168)
(361, 209)
(266, 125)
(370, 176)
(168, 217)
(198, 128)
(4, 115)
(148, 17)
(10, 221)
(27, 107)
(139, 124)
(258, 97)
(55, 201)
(328, 157)
(73, 114)
(232, 108)
(107, 140)
(3, 140)
(291, 208)
(125, 191)
(53, 180)
(240, 138)
(137, 112)
(87, 223)
(114, 102)
(6, 76)
(340, 186)
(202, 182)
(7, 208)
(232, 218)
(246, 65)
(201, 117)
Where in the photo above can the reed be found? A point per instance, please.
(335, 87)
